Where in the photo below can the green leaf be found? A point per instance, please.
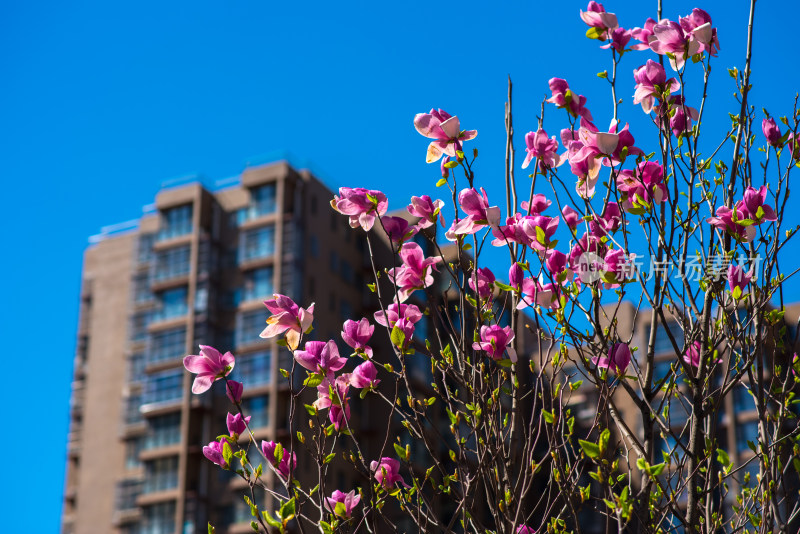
(287, 510)
(326, 527)
(329, 458)
(398, 337)
(593, 33)
(548, 416)
(591, 449)
(278, 452)
(227, 453)
(451, 164)
(340, 509)
(211, 529)
(401, 452)
(723, 458)
(441, 182)
(311, 409)
(313, 380)
(271, 521)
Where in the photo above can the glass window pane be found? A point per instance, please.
(172, 263)
(172, 304)
(257, 243)
(258, 284)
(164, 387)
(166, 345)
(258, 409)
(176, 222)
(250, 325)
(257, 368)
(161, 474)
(158, 518)
(163, 431)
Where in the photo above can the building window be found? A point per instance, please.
(127, 492)
(256, 367)
(262, 202)
(132, 413)
(158, 518)
(136, 368)
(661, 370)
(258, 409)
(258, 284)
(144, 251)
(141, 289)
(166, 345)
(257, 243)
(164, 387)
(250, 325)
(163, 431)
(663, 344)
(132, 448)
(348, 275)
(172, 304)
(138, 329)
(746, 432)
(172, 263)
(161, 474)
(742, 399)
(176, 222)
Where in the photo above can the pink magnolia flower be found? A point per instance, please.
(387, 472)
(618, 359)
(725, 220)
(495, 340)
(619, 39)
(793, 142)
(282, 465)
(698, 26)
(597, 17)
(563, 97)
(361, 205)
(365, 375)
(642, 187)
(608, 222)
(538, 204)
(236, 425)
(234, 391)
(415, 273)
(446, 132)
(738, 280)
(213, 451)
(484, 279)
(407, 328)
(320, 357)
(557, 262)
(615, 145)
(692, 354)
(540, 294)
(287, 317)
(670, 38)
(515, 277)
(357, 335)
(680, 115)
(571, 217)
(643, 35)
(535, 231)
(582, 163)
(398, 311)
(209, 365)
(771, 132)
(426, 209)
(543, 148)
(752, 206)
(587, 243)
(479, 214)
(443, 167)
(523, 529)
(348, 500)
(651, 83)
(618, 267)
(397, 229)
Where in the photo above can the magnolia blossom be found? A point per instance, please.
(771, 132)
(727, 220)
(398, 311)
(692, 354)
(446, 132)
(680, 115)
(752, 206)
(213, 451)
(540, 294)
(209, 365)
(535, 231)
(537, 205)
(236, 425)
(698, 26)
(615, 145)
(282, 466)
(387, 472)
(365, 375)
(618, 40)
(563, 97)
(397, 229)
(738, 280)
(234, 390)
(571, 217)
(415, 273)
(651, 83)
(643, 186)
(444, 168)
(608, 222)
(357, 335)
(597, 17)
(287, 317)
(361, 205)
(670, 38)
(348, 501)
(405, 327)
(481, 281)
(320, 357)
(426, 209)
(479, 214)
(539, 146)
(643, 35)
(582, 163)
(618, 359)
(524, 529)
(332, 395)
(618, 266)
(495, 340)
(515, 277)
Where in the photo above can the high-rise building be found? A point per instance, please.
(195, 269)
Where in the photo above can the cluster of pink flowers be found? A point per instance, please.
(749, 212)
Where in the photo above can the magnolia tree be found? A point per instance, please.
(690, 238)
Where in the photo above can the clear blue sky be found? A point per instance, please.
(101, 102)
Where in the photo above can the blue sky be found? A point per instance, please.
(103, 101)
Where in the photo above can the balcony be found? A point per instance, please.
(175, 222)
(262, 203)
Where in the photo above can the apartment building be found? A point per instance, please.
(195, 269)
